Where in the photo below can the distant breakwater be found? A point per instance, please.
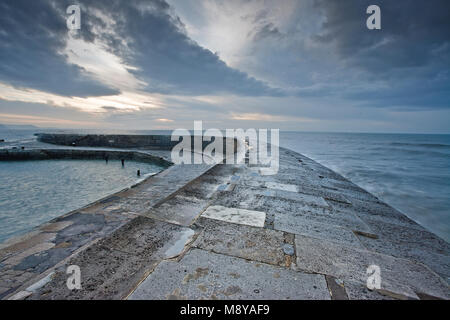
(80, 154)
(149, 142)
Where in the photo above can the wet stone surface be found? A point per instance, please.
(26, 258)
(205, 275)
(302, 226)
(315, 213)
(229, 232)
(180, 210)
(235, 215)
(357, 291)
(399, 276)
(241, 241)
(112, 267)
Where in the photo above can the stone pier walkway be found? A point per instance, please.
(232, 233)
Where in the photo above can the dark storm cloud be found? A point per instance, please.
(32, 33)
(145, 34)
(413, 34)
(166, 58)
(410, 55)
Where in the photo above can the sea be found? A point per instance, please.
(410, 172)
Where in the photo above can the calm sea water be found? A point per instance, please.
(408, 171)
(34, 192)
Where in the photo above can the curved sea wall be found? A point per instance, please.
(153, 142)
(149, 142)
(79, 154)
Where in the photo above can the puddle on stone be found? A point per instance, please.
(177, 247)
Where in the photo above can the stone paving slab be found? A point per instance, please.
(142, 236)
(3, 290)
(20, 244)
(306, 227)
(399, 276)
(11, 280)
(55, 226)
(410, 243)
(95, 279)
(347, 189)
(21, 295)
(251, 182)
(16, 259)
(336, 288)
(205, 275)
(437, 262)
(179, 209)
(120, 205)
(113, 266)
(42, 250)
(235, 215)
(203, 190)
(352, 194)
(405, 238)
(357, 291)
(242, 241)
(327, 194)
(379, 211)
(161, 186)
(372, 219)
(255, 179)
(242, 197)
(284, 209)
(328, 181)
(282, 186)
(299, 197)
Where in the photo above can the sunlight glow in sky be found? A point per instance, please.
(308, 65)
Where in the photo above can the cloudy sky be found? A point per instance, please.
(307, 65)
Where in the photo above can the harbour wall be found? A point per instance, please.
(149, 142)
(79, 154)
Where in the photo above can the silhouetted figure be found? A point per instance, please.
(139, 173)
(123, 162)
(106, 159)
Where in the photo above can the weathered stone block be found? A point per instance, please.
(205, 275)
